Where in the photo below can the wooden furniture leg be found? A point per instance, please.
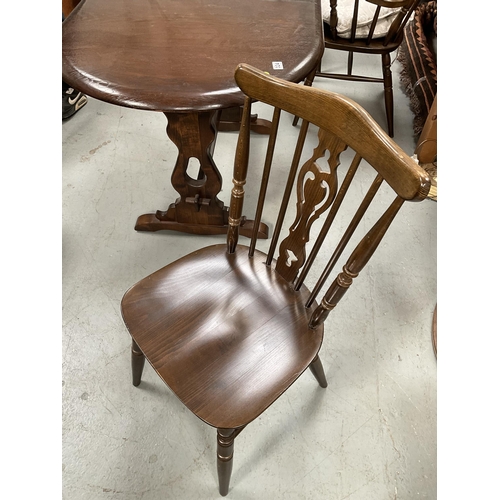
(388, 93)
(137, 364)
(225, 448)
(197, 210)
(317, 370)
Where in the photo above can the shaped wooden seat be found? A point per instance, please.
(225, 325)
(230, 328)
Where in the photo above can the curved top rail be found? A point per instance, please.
(345, 119)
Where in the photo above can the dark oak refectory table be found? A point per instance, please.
(178, 57)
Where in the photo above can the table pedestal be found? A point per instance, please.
(230, 121)
(197, 210)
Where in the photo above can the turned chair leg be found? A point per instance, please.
(137, 364)
(388, 95)
(225, 448)
(318, 372)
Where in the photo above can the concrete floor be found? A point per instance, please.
(370, 435)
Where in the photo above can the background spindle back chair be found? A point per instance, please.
(366, 36)
(230, 328)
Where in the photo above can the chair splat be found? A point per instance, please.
(316, 191)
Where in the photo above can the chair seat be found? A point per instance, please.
(224, 331)
(376, 46)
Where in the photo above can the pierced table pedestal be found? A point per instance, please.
(197, 210)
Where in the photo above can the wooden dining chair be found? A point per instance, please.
(366, 27)
(230, 328)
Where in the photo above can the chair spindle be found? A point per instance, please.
(398, 25)
(372, 26)
(358, 259)
(239, 180)
(288, 190)
(354, 23)
(265, 178)
(333, 18)
(346, 238)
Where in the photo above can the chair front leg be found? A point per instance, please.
(225, 448)
(137, 364)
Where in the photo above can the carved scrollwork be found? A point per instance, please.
(316, 190)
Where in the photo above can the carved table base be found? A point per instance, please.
(197, 210)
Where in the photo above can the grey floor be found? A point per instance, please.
(370, 435)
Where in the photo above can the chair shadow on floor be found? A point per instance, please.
(270, 439)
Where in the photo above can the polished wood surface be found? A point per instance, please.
(229, 328)
(370, 45)
(225, 332)
(179, 57)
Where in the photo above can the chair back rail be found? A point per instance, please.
(342, 124)
(406, 8)
(344, 118)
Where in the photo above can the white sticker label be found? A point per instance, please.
(277, 65)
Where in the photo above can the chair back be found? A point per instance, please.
(386, 19)
(342, 124)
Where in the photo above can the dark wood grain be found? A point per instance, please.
(226, 333)
(172, 56)
(228, 327)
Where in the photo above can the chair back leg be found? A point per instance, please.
(316, 368)
(388, 95)
(137, 364)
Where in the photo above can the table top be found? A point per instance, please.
(180, 55)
